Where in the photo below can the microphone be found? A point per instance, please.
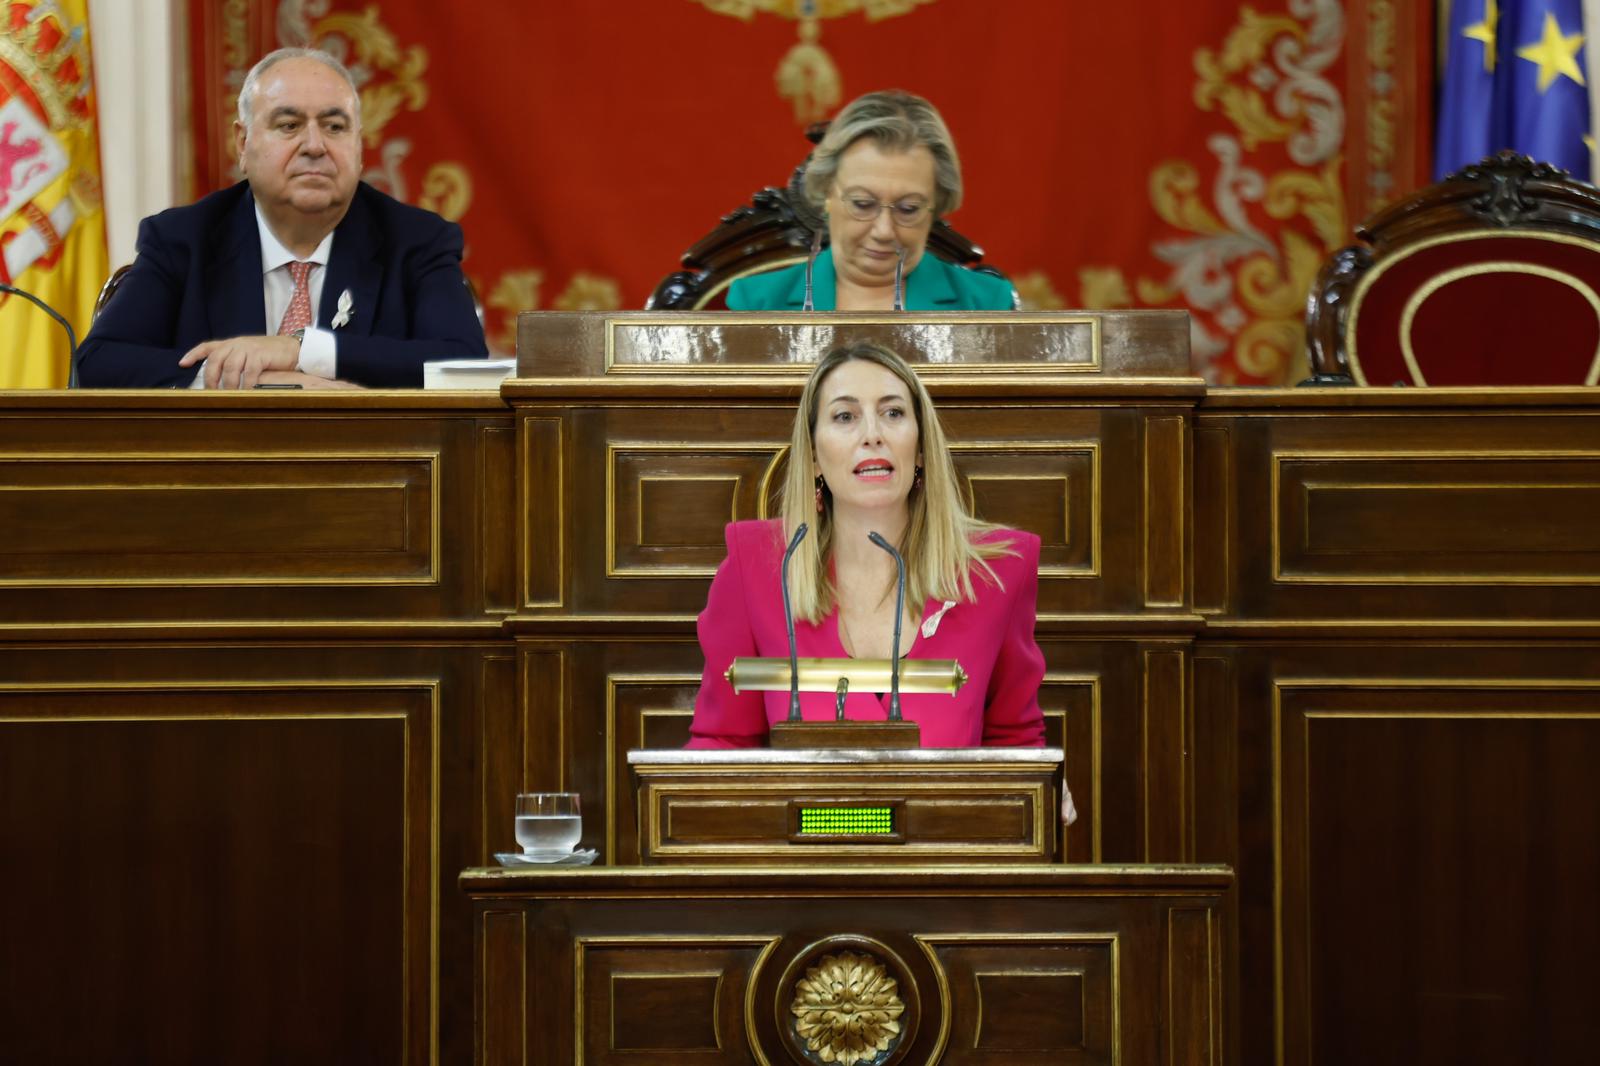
(72, 338)
(788, 620)
(811, 261)
(899, 290)
(899, 613)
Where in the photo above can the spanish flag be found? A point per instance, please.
(52, 226)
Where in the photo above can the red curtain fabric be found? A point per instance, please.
(1206, 155)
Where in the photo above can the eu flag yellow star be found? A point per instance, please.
(1555, 53)
(1485, 31)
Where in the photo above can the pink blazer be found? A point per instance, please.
(992, 639)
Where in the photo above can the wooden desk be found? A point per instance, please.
(988, 965)
(305, 648)
(251, 657)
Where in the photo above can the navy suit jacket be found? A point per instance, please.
(197, 277)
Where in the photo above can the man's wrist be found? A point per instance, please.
(318, 353)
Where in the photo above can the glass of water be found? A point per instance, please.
(549, 825)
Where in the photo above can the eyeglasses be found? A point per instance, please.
(864, 208)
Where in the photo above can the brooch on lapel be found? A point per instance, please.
(347, 305)
(930, 625)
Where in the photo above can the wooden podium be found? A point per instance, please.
(803, 964)
(813, 907)
(994, 805)
(874, 907)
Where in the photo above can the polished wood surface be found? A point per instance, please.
(1034, 964)
(1397, 694)
(749, 808)
(645, 434)
(250, 653)
(1344, 641)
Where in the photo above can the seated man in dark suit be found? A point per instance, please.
(301, 274)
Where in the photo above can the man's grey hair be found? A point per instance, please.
(899, 122)
(247, 93)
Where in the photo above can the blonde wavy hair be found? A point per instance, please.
(940, 544)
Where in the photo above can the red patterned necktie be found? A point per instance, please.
(298, 316)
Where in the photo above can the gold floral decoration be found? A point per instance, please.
(807, 76)
(1245, 287)
(1037, 292)
(377, 50)
(516, 291)
(1101, 289)
(847, 1009)
(590, 292)
(446, 190)
(1244, 50)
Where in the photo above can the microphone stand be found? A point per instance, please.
(72, 338)
(811, 261)
(788, 620)
(899, 614)
(840, 675)
(899, 305)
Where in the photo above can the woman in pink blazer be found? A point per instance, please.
(868, 455)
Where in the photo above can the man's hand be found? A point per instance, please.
(237, 363)
(304, 380)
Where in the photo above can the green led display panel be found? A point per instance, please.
(846, 821)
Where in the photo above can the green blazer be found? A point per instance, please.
(934, 285)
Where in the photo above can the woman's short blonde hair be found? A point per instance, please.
(899, 122)
(941, 541)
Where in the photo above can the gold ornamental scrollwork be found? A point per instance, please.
(1279, 159)
(375, 49)
(807, 76)
(847, 1009)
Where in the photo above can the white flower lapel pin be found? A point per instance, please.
(930, 625)
(347, 305)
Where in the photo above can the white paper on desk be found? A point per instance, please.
(499, 366)
(467, 373)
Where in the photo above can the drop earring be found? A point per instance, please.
(819, 493)
(916, 478)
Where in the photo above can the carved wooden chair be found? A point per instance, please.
(109, 289)
(1490, 277)
(774, 230)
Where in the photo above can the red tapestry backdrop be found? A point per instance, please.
(1205, 155)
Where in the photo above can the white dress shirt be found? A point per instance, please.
(319, 352)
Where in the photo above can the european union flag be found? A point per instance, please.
(1516, 76)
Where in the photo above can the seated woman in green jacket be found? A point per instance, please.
(885, 170)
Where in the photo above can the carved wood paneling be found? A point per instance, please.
(645, 489)
(1477, 518)
(184, 518)
(542, 479)
(502, 1032)
(1109, 704)
(1035, 999)
(1194, 979)
(1423, 515)
(1165, 757)
(1166, 510)
(663, 998)
(215, 518)
(274, 833)
(1046, 965)
(1389, 797)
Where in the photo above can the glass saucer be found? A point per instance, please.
(581, 857)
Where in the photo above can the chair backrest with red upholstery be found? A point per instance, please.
(1490, 277)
